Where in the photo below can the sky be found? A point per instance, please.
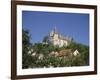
(39, 24)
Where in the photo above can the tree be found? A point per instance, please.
(46, 39)
(26, 45)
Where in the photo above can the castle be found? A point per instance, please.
(59, 40)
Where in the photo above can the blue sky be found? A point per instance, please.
(39, 24)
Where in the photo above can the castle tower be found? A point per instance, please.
(55, 30)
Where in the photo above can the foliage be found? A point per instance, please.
(84, 52)
(30, 61)
(46, 39)
(26, 45)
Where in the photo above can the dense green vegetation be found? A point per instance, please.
(43, 59)
(26, 45)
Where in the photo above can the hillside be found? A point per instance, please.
(42, 55)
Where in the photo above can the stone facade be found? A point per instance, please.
(57, 39)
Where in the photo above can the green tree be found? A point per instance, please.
(46, 39)
(26, 45)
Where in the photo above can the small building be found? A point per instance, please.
(76, 52)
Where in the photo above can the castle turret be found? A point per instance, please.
(51, 33)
